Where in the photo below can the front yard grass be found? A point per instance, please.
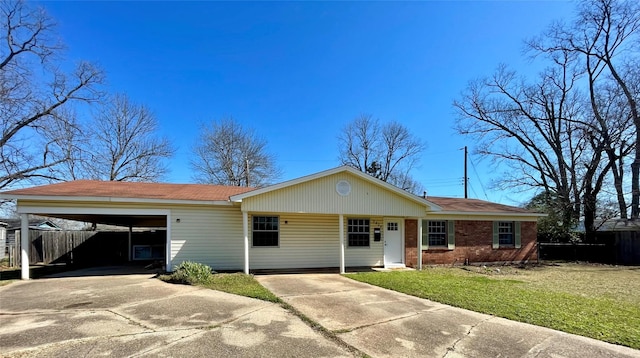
(240, 284)
(601, 302)
(237, 283)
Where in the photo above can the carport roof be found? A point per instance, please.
(136, 190)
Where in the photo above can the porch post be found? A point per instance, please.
(24, 245)
(341, 225)
(245, 231)
(419, 258)
(129, 248)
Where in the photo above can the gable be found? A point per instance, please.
(320, 196)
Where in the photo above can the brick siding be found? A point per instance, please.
(473, 242)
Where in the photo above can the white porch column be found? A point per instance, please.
(419, 243)
(245, 231)
(24, 245)
(167, 253)
(129, 249)
(341, 218)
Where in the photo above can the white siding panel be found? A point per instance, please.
(365, 256)
(306, 241)
(320, 196)
(210, 235)
(311, 241)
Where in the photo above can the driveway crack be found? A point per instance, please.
(131, 320)
(338, 331)
(169, 344)
(453, 346)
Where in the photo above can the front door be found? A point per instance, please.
(393, 243)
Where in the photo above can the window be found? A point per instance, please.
(438, 234)
(392, 226)
(148, 252)
(437, 231)
(358, 232)
(505, 233)
(265, 230)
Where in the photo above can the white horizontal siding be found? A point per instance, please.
(365, 256)
(210, 235)
(320, 196)
(306, 241)
(309, 241)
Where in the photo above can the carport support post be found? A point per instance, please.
(245, 231)
(24, 245)
(419, 257)
(341, 219)
(129, 249)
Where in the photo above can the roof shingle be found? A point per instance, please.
(137, 190)
(474, 205)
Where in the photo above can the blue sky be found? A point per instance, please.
(298, 71)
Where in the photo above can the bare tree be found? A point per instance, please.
(530, 128)
(35, 96)
(121, 144)
(605, 36)
(387, 152)
(229, 154)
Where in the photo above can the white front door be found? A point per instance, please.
(393, 243)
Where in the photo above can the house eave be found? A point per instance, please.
(490, 213)
(103, 199)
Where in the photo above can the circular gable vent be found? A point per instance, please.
(343, 188)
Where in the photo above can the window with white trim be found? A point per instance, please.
(358, 232)
(266, 230)
(437, 231)
(505, 233)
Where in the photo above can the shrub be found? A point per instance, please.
(192, 273)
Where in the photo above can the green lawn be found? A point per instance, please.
(236, 283)
(240, 284)
(601, 302)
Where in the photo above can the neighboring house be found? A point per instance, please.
(336, 218)
(13, 225)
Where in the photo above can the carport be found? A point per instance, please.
(198, 218)
(124, 217)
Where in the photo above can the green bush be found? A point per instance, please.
(192, 273)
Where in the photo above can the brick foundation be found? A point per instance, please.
(473, 243)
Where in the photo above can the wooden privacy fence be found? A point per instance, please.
(73, 247)
(621, 248)
(628, 248)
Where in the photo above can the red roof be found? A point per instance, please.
(474, 205)
(206, 192)
(137, 190)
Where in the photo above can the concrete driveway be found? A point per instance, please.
(384, 323)
(140, 316)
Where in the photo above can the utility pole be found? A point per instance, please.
(466, 178)
(246, 162)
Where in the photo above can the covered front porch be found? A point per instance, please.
(284, 241)
(336, 218)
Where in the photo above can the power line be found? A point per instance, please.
(479, 181)
(473, 190)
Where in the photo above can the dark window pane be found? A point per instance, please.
(505, 233)
(265, 231)
(437, 233)
(358, 232)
